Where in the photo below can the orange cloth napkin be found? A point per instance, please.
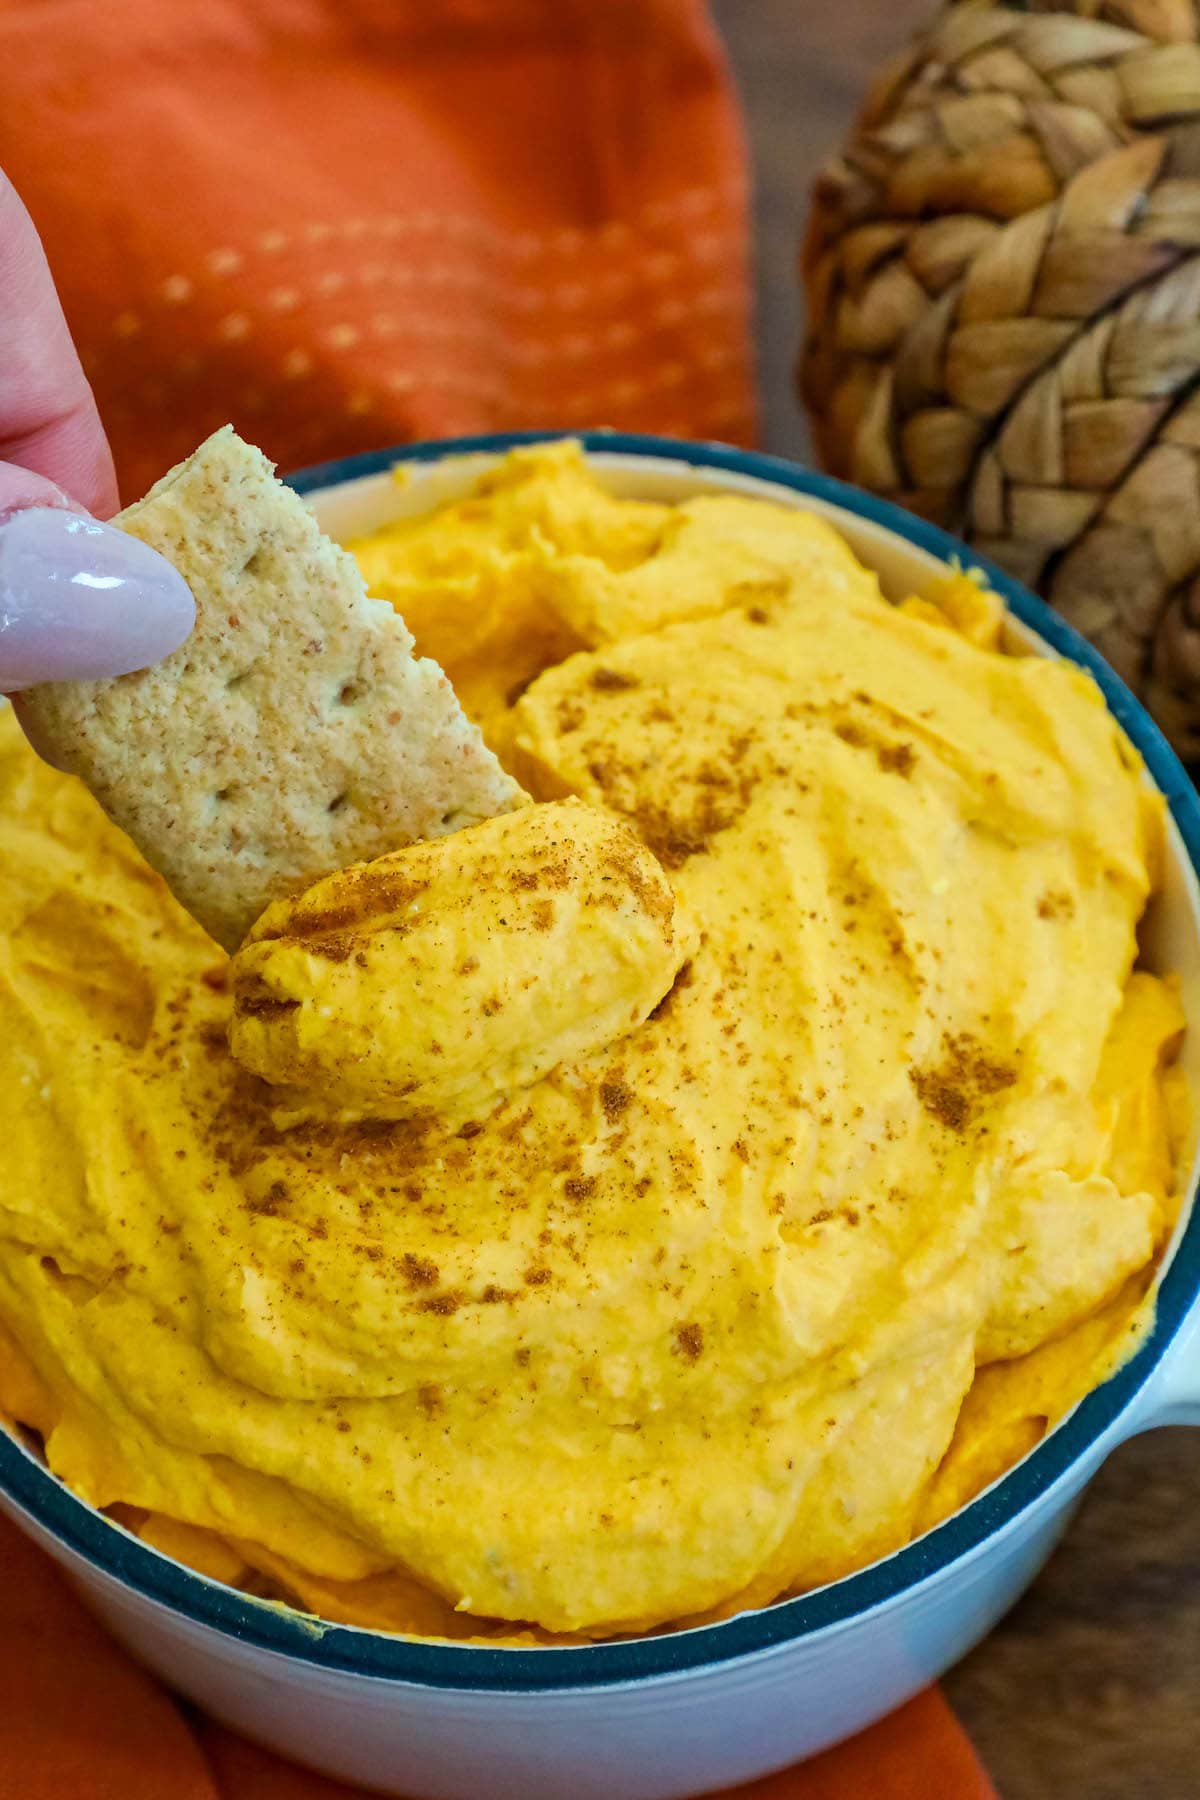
(80, 1721)
(342, 224)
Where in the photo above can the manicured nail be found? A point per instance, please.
(80, 600)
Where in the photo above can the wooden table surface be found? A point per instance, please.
(1090, 1689)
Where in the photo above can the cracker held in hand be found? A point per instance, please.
(294, 733)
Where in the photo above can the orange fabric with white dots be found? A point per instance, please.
(346, 223)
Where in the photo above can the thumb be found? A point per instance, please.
(78, 599)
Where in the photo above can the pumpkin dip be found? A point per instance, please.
(601, 1317)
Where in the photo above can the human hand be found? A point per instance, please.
(78, 598)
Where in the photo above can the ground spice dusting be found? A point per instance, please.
(657, 899)
(897, 759)
(336, 949)
(941, 1099)
(267, 1205)
(672, 847)
(615, 1096)
(579, 1187)
(719, 799)
(419, 1271)
(955, 1091)
(371, 891)
(444, 1305)
(893, 759)
(689, 1342)
(262, 1006)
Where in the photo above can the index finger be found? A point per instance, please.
(48, 418)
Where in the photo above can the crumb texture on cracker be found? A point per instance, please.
(294, 733)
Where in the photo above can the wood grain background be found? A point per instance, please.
(1090, 1689)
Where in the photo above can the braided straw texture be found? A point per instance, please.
(1003, 281)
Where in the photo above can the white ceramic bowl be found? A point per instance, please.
(686, 1713)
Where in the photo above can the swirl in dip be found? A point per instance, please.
(671, 1196)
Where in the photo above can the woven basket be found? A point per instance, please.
(1003, 280)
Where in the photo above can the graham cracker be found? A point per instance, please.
(293, 733)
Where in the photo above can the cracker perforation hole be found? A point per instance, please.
(349, 693)
(253, 564)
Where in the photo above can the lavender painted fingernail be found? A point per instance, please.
(80, 599)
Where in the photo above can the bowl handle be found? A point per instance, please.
(1172, 1395)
